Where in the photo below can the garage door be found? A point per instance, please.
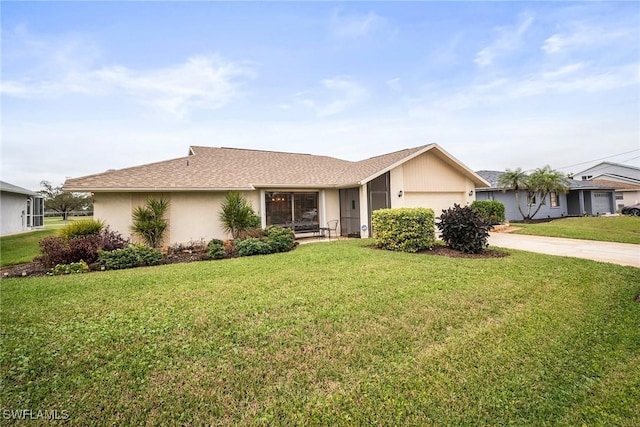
(435, 201)
(602, 202)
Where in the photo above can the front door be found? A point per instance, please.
(350, 212)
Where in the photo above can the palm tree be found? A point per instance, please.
(149, 222)
(545, 180)
(515, 180)
(237, 215)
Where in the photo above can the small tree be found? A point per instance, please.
(538, 185)
(149, 222)
(237, 215)
(55, 199)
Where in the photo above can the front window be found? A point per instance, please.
(554, 199)
(298, 211)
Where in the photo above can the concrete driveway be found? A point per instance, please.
(616, 253)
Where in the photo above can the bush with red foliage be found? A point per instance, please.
(56, 250)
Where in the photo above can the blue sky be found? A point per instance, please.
(91, 86)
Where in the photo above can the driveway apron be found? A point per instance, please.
(616, 253)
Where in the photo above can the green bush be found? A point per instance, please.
(281, 239)
(72, 268)
(252, 246)
(491, 211)
(134, 255)
(464, 229)
(404, 229)
(84, 227)
(237, 214)
(216, 249)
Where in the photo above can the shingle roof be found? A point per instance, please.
(210, 168)
(492, 178)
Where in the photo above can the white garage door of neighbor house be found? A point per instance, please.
(435, 201)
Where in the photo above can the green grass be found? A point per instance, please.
(22, 248)
(329, 334)
(622, 229)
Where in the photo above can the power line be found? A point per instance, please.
(602, 158)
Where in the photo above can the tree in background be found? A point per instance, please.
(543, 181)
(58, 200)
(237, 214)
(538, 185)
(149, 222)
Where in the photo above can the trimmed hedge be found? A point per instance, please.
(280, 239)
(404, 229)
(491, 211)
(253, 246)
(134, 255)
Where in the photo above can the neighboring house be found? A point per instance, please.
(20, 209)
(624, 178)
(300, 191)
(583, 198)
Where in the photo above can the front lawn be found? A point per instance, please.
(621, 229)
(329, 334)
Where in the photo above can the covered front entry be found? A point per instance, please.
(350, 212)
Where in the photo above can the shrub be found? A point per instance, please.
(491, 211)
(252, 246)
(230, 250)
(54, 250)
(85, 227)
(193, 247)
(149, 222)
(216, 249)
(134, 255)
(84, 248)
(404, 229)
(255, 232)
(464, 229)
(281, 239)
(237, 214)
(59, 250)
(73, 268)
(112, 240)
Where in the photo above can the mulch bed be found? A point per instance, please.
(452, 253)
(36, 269)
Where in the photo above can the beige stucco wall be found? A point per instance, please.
(332, 207)
(115, 210)
(192, 216)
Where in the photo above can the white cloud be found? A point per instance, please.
(356, 26)
(394, 84)
(583, 35)
(579, 78)
(507, 39)
(334, 97)
(201, 82)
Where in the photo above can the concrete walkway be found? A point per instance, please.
(616, 253)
